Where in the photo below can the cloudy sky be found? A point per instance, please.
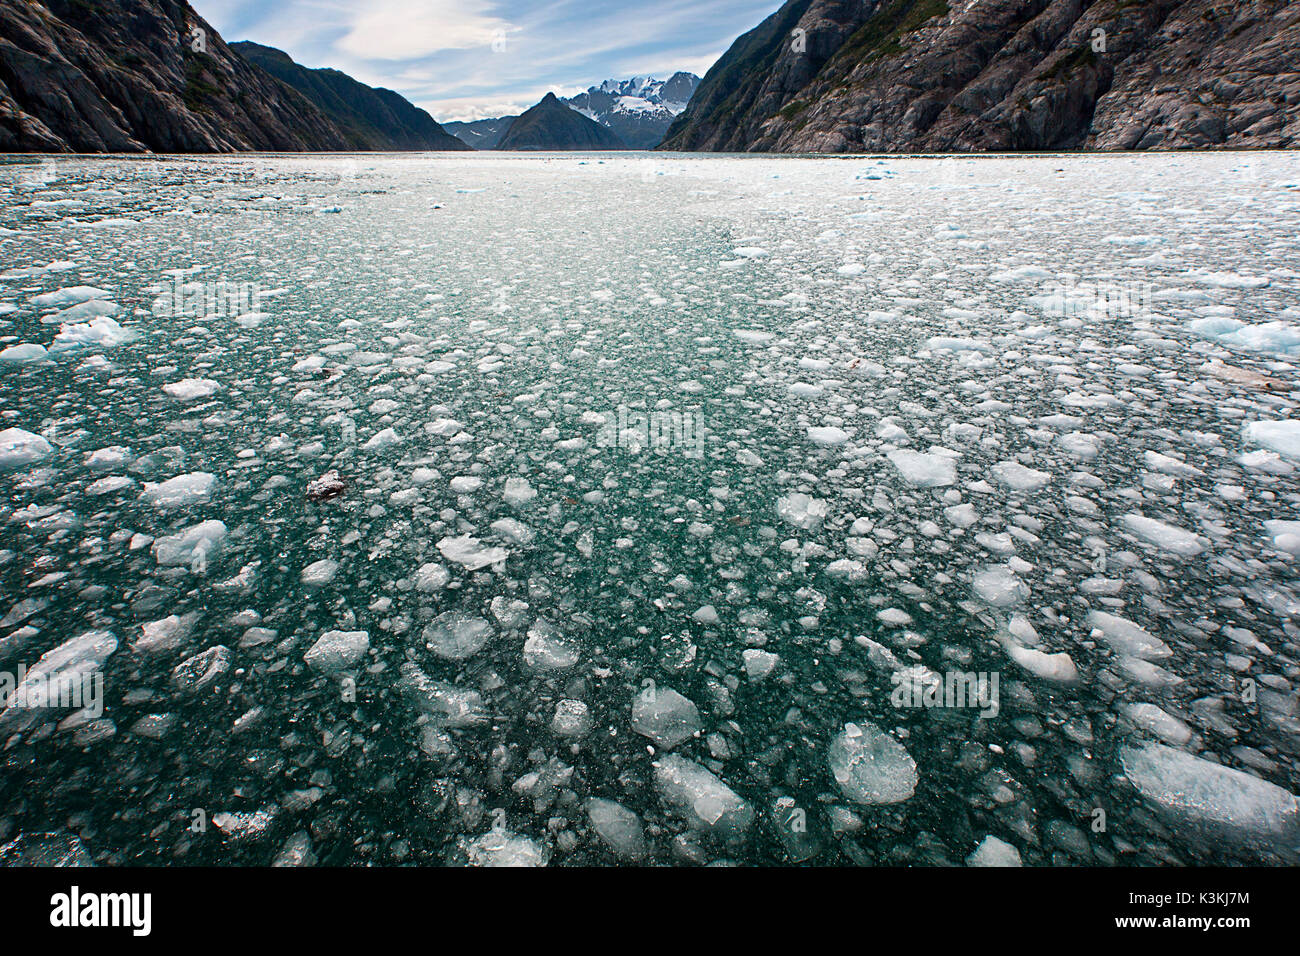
(467, 59)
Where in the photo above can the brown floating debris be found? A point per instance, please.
(327, 486)
(1245, 376)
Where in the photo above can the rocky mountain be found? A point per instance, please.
(374, 119)
(481, 134)
(550, 125)
(639, 110)
(136, 75)
(984, 75)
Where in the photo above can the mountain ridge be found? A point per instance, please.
(375, 118)
(638, 110)
(140, 75)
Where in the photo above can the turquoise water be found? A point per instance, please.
(886, 420)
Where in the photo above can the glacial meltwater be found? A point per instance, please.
(647, 508)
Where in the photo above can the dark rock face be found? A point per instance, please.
(955, 76)
(481, 134)
(372, 118)
(134, 75)
(550, 125)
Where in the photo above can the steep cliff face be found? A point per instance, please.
(134, 75)
(372, 118)
(985, 75)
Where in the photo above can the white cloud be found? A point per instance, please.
(401, 30)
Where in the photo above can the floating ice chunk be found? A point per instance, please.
(1156, 721)
(547, 650)
(518, 492)
(1169, 466)
(471, 553)
(166, 634)
(1285, 535)
(1054, 667)
(108, 485)
(1167, 537)
(700, 798)
(1018, 477)
(870, 767)
(513, 531)
(466, 484)
(665, 716)
(45, 849)
(994, 852)
(103, 332)
(963, 516)
(1282, 437)
(501, 848)
(319, 573)
(24, 354)
(1144, 672)
(753, 336)
(202, 670)
(27, 607)
(451, 705)
(189, 389)
(618, 827)
(71, 295)
(456, 636)
(431, 578)
(385, 438)
(758, 664)
(1217, 803)
(194, 546)
(707, 614)
(894, 617)
(572, 719)
(1080, 445)
(337, 651)
(1125, 637)
(828, 435)
(61, 678)
(924, 470)
(999, 586)
(179, 492)
(802, 511)
(19, 448)
(1231, 280)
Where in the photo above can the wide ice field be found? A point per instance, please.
(671, 495)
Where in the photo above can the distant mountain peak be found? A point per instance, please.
(552, 125)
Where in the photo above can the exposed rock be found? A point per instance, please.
(934, 76)
(99, 76)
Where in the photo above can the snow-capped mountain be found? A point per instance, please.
(638, 110)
